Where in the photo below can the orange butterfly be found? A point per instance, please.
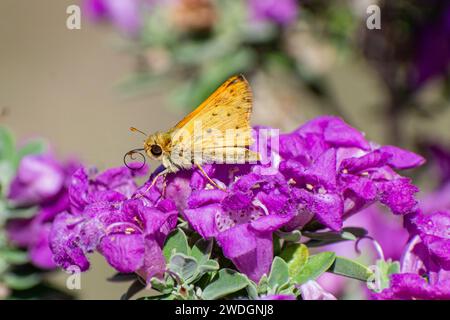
(217, 131)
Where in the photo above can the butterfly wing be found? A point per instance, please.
(220, 125)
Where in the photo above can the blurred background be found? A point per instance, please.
(147, 63)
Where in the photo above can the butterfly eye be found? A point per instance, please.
(156, 150)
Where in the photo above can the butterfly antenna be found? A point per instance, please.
(133, 129)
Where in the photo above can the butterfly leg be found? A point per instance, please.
(209, 179)
(163, 192)
(162, 173)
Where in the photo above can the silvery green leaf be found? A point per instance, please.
(186, 267)
(263, 284)
(7, 146)
(22, 213)
(252, 290)
(7, 172)
(32, 147)
(279, 273)
(208, 266)
(13, 256)
(350, 269)
(162, 286)
(227, 282)
(176, 242)
(201, 250)
(296, 256)
(17, 282)
(315, 266)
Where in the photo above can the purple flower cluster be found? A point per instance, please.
(41, 181)
(322, 173)
(104, 216)
(425, 264)
(279, 11)
(425, 272)
(337, 172)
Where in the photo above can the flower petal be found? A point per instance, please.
(402, 159)
(203, 219)
(250, 251)
(125, 252)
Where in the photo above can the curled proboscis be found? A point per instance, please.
(131, 155)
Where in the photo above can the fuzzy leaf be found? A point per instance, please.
(316, 265)
(17, 282)
(201, 250)
(296, 257)
(210, 265)
(227, 282)
(279, 273)
(349, 268)
(176, 243)
(32, 147)
(14, 256)
(7, 146)
(186, 267)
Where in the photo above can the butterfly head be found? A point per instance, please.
(157, 145)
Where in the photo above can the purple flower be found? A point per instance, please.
(113, 185)
(128, 232)
(311, 290)
(324, 172)
(338, 173)
(434, 231)
(32, 234)
(124, 14)
(39, 178)
(278, 11)
(327, 172)
(420, 277)
(243, 219)
(40, 181)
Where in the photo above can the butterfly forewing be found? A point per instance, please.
(219, 129)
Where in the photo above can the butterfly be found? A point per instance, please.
(217, 131)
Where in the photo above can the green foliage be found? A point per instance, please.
(319, 239)
(227, 282)
(314, 267)
(351, 269)
(176, 242)
(189, 269)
